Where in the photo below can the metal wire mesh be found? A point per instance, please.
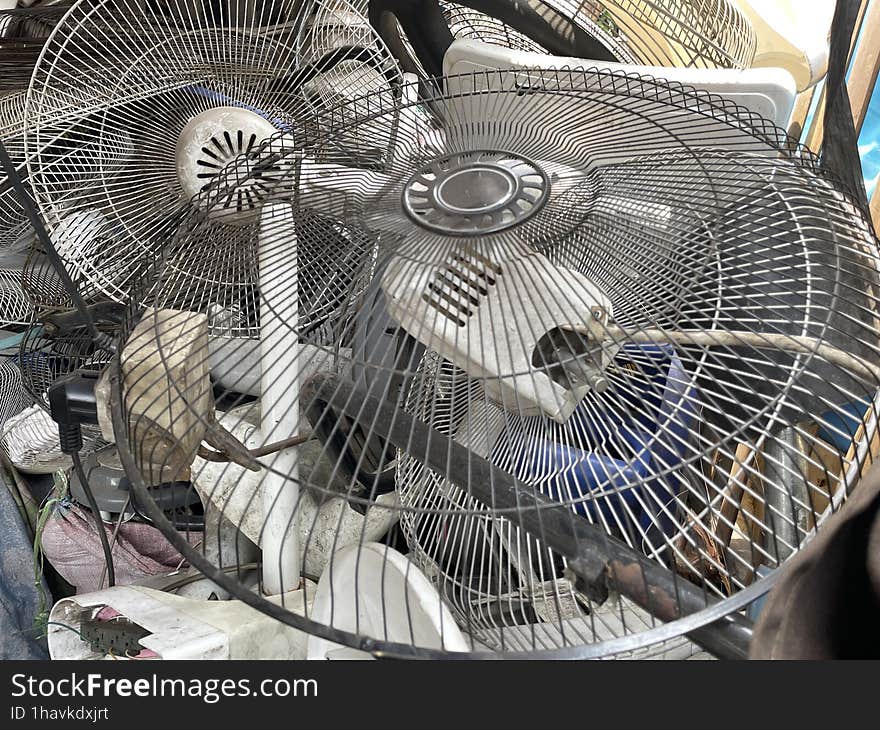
(471, 24)
(23, 30)
(692, 34)
(14, 397)
(603, 345)
(697, 33)
(125, 91)
(15, 307)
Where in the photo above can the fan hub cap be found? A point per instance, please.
(476, 189)
(473, 193)
(208, 143)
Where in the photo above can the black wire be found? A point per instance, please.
(99, 523)
(54, 257)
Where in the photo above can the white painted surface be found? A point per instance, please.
(279, 354)
(769, 92)
(374, 591)
(182, 628)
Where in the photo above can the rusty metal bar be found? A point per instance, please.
(597, 560)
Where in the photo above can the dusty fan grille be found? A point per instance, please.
(721, 441)
(695, 33)
(118, 84)
(23, 30)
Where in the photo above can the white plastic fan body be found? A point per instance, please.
(791, 34)
(280, 396)
(459, 300)
(462, 307)
(211, 139)
(373, 590)
(747, 34)
(769, 92)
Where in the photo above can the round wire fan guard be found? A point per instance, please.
(653, 378)
(132, 108)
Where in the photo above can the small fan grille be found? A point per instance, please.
(471, 24)
(15, 307)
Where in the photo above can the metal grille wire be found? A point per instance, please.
(693, 34)
(23, 30)
(116, 85)
(741, 288)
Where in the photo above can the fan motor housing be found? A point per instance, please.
(470, 310)
(206, 146)
(475, 193)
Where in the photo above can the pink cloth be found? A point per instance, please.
(71, 544)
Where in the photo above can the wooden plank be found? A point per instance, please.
(874, 208)
(824, 474)
(865, 65)
(799, 112)
(815, 134)
(874, 448)
(732, 495)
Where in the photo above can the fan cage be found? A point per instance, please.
(100, 135)
(718, 463)
(15, 398)
(23, 30)
(469, 24)
(224, 280)
(694, 33)
(690, 34)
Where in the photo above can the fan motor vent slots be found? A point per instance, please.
(458, 288)
(218, 152)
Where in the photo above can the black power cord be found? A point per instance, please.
(72, 403)
(99, 523)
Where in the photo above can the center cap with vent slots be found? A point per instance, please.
(472, 193)
(208, 143)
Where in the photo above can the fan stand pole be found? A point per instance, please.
(280, 396)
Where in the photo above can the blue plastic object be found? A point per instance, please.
(755, 607)
(639, 444)
(7, 343)
(841, 427)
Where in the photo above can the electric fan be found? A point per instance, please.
(604, 345)
(15, 309)
(709, 45)
(713, 34)
(133, 108)
(12, 111)
(24, 28)
(127, 120)
(26, 277)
